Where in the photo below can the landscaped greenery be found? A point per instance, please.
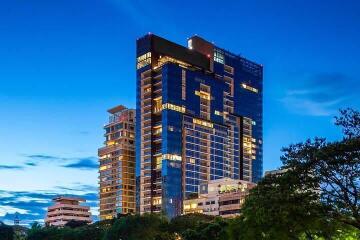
(315, 196)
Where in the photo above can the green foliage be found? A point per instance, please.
(132, 227)
(199, 226)
(184, 222)
(278, 208)
(75, 224)
(6, 232)
(89, 232)
(316, 196)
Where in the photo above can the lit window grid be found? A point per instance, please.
(246, 161)
(227, 168)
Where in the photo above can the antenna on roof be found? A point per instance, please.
(16, 219)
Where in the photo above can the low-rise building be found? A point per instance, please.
(67, 209)
(221, 197)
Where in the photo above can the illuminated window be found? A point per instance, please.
(174, 107)
(158, 162)
(104, 167)
(171, 157)
(203, 95)
(192, 160)
(165, 59)
(143, 60)
(247, 139)
(157, 107)
(218, 113)
(203, 123)
(247, 87)
(157, 130)
(219, 56)
(156, 201)
(104, 156)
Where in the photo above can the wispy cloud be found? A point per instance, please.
(13, 167)
(42, 157)
(320, 95)
(85, 164)
(79, 188)
(81, 163)
(31, 164)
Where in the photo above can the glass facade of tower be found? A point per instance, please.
(199, 118)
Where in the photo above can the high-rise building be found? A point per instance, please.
(199, 118)
(117, 164)
(67, 209)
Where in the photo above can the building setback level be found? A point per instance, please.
(67, 209)
(199, 118)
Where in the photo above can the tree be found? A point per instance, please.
(332, 169)
(215, 230)
(133, 227)
(75, 224)
(89, 232)
(349, 120)
(316, 194)
(6, 232)
(182, 223)
(277, 208)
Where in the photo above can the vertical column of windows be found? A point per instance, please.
(205, 101)
(247, 148)
(183, 84)
(145, 151)
(156, 163)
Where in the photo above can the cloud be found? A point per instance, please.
(10, 210)
(32, 206)
(85, 164)
(31, 164)
(41, 157)
(77, 187)
(321, 94)
(13, 167)
(81, 163)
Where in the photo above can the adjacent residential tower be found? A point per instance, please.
(117, 164)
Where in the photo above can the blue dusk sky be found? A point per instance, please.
(64, 63)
